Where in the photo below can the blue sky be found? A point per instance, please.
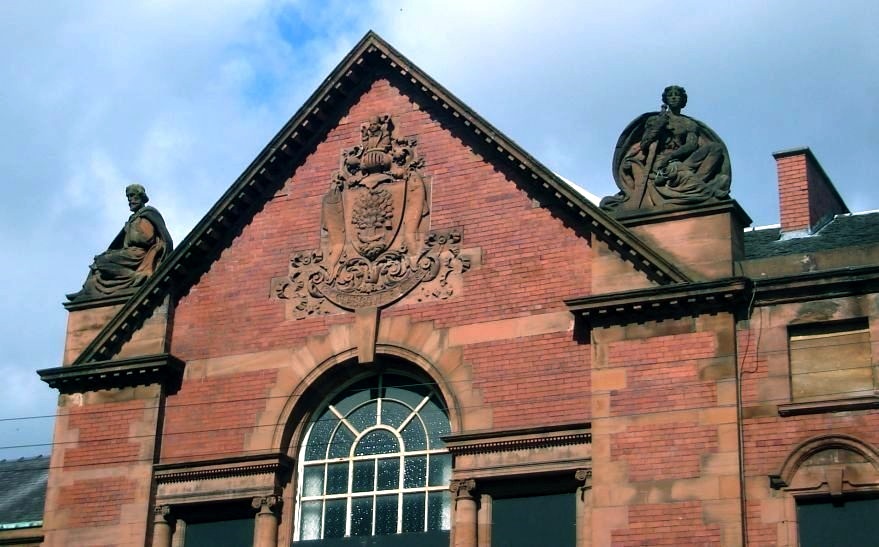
(180, 97)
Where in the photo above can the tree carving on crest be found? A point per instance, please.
(376, 246)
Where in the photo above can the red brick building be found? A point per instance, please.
(398, 328)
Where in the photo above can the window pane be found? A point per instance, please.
(408, 390)
(415, 471)
(309, 521)
(337, 478)
(846, 524)
(388, 474)
(355, 395)
(231, 533)
(394, 413)
(334, 523)
(438, 511)
(361, 516)
(364, 476)
(340, 446)
(413, 512)
(370, 453)
(534, 520)
(413, 435)
(364, 417)
(436, 421)
(385, 515)
(319, 437)
(440, 469)
(378, 441)
(313, 480)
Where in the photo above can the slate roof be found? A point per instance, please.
(23, 483)
(843, 231)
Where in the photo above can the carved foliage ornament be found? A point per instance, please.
(375, 245)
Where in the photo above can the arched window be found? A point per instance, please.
(373, 463)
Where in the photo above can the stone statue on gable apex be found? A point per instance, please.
(665, 160)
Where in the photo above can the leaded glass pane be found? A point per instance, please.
(337, 478)
(340, 447)
(394, 413)
(413, 512)
(364, 476)
(385, 515)
(440, 469)
(438, 511)
(334, 518)
(319, 437)
(362, 465)
(415, 471)
(388, 474)
(364, 417)
(413, 435)
(313, 480)
(310, 520)
(436, 421)
(377, 441)
(354, 396)
(407, 390)
(361, 516)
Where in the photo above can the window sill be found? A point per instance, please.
(833, 405)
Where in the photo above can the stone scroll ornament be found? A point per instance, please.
(375, 244)
(665, 160)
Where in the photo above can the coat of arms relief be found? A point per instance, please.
(376, 243)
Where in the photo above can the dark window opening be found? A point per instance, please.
(844, 523)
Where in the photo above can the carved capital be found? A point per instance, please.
(584, 477)
(463, 488)
(161, 514)
(266, 504)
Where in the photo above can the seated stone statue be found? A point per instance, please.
(666, 160)
(134, 254)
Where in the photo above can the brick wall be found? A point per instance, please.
(98, 502)
(104, 434)
(212, 417)
(536, 380)
(530, 262)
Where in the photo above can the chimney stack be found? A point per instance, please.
(807, 198)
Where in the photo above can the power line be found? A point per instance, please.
(538, 376)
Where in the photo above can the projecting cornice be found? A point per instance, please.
(371, 59)
(658, 303)
(163, 369)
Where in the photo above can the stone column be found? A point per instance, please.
(161, 526)
(265, 530)
(465, 512)
(483, 520)
(584, 509)
(179, 539)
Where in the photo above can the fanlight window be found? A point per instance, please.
(373, 463)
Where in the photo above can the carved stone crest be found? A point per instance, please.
(375, 243)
